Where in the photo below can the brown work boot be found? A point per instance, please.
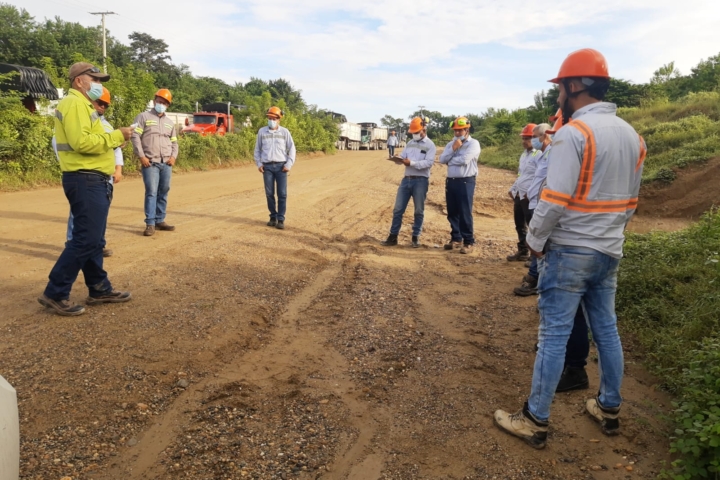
(467, 249)
(109, 297)
(528, 263)
(452, 245)
(149, 231)
(165, 226)
(523, 425)
(606, 417)
(107, 252)
(527, 288)
(519, 256)
(61, 307)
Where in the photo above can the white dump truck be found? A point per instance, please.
(350, 136)
(373, 137)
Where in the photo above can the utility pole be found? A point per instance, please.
(104, 36)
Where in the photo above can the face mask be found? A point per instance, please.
(461, 138)
(417, 137)
(95, 91)
(160, 108)
(536, 143)
(272, 124)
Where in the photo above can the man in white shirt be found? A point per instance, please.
(518, 193)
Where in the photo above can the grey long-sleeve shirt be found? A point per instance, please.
(421, 154)
(463, 161)
(275, 146)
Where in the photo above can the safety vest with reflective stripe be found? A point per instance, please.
(82, 142)
(580, 201)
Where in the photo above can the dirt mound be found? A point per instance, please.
(693, 192)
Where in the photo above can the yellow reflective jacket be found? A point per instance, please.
(82, 143)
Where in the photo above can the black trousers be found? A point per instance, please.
(522, 217)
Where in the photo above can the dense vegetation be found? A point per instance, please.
(668, 296)
(137, 70)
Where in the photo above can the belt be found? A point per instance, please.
(88, 172)
(415, 176)
(460, 178)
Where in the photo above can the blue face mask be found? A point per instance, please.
(461, 138)
(160, 108)
(272, 124)
(95, 91)
(536, 143)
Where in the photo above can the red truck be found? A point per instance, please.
(215, 119)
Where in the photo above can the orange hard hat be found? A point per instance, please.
(105, 97)
(557, 120)
(460, 123)
(164, 93)
(275, 111)
(583, 63)
(416, 125)
(528, 130)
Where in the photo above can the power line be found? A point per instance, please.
(104, 36)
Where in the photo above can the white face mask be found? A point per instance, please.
(272, 124)
(417, 136)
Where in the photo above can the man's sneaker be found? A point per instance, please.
(573, 379)
(109, 297)
(606, 417)
(466, 249)
(61, 307)
(527, 288)
(523, 425)
(272, 222)
(415, 241)
(107, 252)
(165, 226)
(149, 231)
(390, 241)
(527, 264)
(280, 225)
(452, 245)
(519, 256)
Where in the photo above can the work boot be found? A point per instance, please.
(527, 264)
(391, 241)
(149, 231)
(606, 417)
(112, 296)
(452, 245)
(573, 378)
(272, 222)
(520, 256)
(165, 226)
(527, 288)
(280, 225)
(523, 425)
(107, 252)
(466, 249)
(415, 241)
(528, 278)
(61, 307)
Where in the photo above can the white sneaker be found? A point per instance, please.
(523, 425)
(606, 417)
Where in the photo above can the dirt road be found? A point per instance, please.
(312, 352)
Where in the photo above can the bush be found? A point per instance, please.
(505, 156)
(668, 297)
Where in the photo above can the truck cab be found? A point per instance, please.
(211, 121)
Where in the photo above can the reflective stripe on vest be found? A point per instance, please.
(58, 115)
(64, 147)
(579, 202)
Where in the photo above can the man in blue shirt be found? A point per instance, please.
(418, 158)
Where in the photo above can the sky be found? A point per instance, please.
(370, 58)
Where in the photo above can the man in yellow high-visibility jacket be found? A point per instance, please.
(87, 161)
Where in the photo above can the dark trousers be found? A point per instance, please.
(521, 215)
(89, 196)
(391, 150)
(459, 193)
(272, 176)
(578, 346)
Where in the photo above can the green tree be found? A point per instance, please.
(150, 52)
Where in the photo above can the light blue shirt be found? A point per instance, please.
(392, 141)
(462, 162)
(526, 173)
(421, 154)
(275, 146)
(541, 170)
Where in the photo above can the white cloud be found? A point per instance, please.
(374, 57)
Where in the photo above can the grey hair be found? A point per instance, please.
(542, 128)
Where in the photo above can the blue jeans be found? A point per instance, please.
(417, 188)
(459, 193)
(89, 196)
(391, 150)
(578, 346)
(569, 275)
(157, 185)
(273, 175)
(68, 234)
